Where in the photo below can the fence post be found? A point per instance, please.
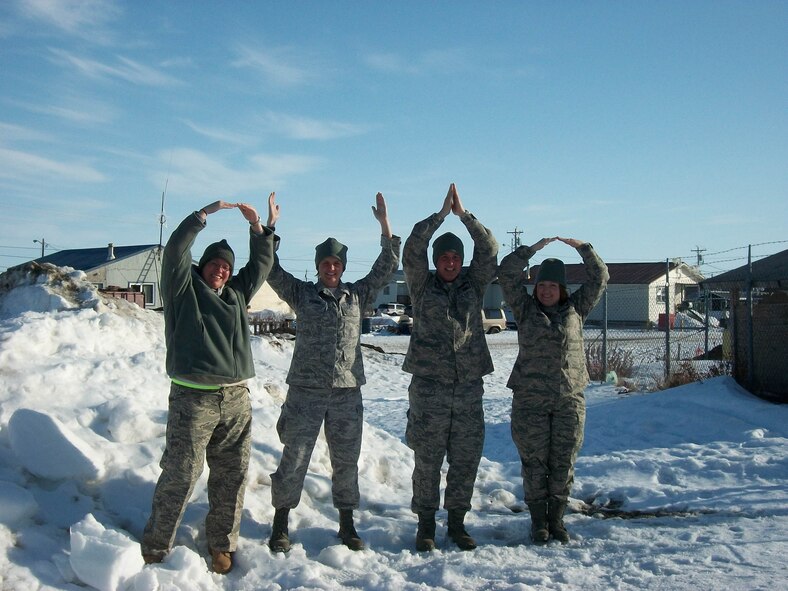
(706, 322)
(604, 336)
(750, 338)
(667, 319)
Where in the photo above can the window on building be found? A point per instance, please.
(386, 290)
(147, 289)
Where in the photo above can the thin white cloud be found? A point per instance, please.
(222, 135)
(304, 128)
(280, 67)
(15, 164)
(429, 62)
(10, 132)
(195, 173)
(125, 69)
(87, 19)
(75, 111)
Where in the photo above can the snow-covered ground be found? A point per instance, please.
(679, 489)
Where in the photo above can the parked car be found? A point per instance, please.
(493, 320)
(392, 309)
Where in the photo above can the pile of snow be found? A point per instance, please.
(679, 489)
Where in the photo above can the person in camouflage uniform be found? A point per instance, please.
(447, 356)
(209, 359)
(549, 376)
(325, 377)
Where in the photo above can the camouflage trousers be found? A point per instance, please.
(548, 433)
(303, 413)
(202, 425)
(444, 420)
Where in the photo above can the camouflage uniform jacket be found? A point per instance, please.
(207, 333)
(327, 350)
(447, 342)
(551, 358)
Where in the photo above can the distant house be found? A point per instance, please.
(136, 268)
(396, 291)
(759, 323)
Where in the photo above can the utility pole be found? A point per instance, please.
(43, 245)
(515, 239)
(698, 251)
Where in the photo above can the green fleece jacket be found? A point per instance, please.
(207, 333)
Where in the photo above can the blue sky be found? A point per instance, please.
(650, 129)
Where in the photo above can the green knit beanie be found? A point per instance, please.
(552, 270)
(218, 250)
(445, 243)
(331, 248)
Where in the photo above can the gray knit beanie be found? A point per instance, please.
(331, 248)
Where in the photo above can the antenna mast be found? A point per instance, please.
(162, 217)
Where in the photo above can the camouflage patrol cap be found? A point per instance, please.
(331, 247)
(445, 243)
(218, 250)
(552, 270)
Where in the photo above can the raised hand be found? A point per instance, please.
(447, 202)
(543, 242)
(273, 210)
(571, 242)
(381, 214)
(217, 205)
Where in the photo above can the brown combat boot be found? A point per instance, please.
(555, 519)
(280, 541)
(457, 531)
(347, 531)
(539, 531)
(425, 535)
(221, 561)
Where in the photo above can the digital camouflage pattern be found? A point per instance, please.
(196, 417)
(447, 342)
(325, 376)
(549, 376)
(327, 350)
(445, 419)
(447, 356)
(299, 424)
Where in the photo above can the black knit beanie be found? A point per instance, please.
(445, 243)
(552, 270)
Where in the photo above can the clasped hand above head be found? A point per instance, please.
(247, 210)
(568, 241)
(452, 203)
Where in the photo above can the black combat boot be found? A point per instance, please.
(347, 531)
(457, 530)
(555, 519)
(279, 542)
(425, 536)
(539, 532)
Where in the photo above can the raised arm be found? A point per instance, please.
(273, 211)
(415, 262)
(381, 214)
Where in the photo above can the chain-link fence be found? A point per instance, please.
(658, 336)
